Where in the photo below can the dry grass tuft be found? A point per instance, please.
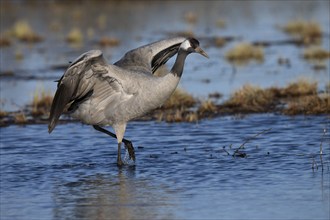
(190, 17)
(302, 87)
(4, 42)
(41, 103)
(309, 32)
(207, 108)
(327, 88)
(220, 41)
(177, 108)
(316, 53)
(250, 99)
(3, 114)
(179, 99)
(309, 105)
(20, 118)
(23, 32)
(75, 36)
(177, 115)
(109, 42)
(244, 52)
(301, 97)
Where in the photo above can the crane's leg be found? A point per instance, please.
(128, 144)
(119, 162)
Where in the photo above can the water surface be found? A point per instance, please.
(181, 171)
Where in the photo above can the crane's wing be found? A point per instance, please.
(87, 73)
(150, 57)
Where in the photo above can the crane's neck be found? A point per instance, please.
(177, 68)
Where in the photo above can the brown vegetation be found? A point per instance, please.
(250, 99)
(109, 42)
(3, 114)
(312, 104)
(207, 108)
(20, 118)
(179, 99)
(4, 42)
(244, 52)
(190, 17)
(23, 32)
(300, 97)
(308, 32)
(301, 87)
(75, 36)
(41, 104)
(316, 53)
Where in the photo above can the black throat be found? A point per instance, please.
(177, 68)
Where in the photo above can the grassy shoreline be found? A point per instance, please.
(297, 98)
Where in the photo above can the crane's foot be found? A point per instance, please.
(120, 163)
(130, 149)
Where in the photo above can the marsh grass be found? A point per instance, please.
(308, 105)
(207, 108)
(20, 118)
(316, 53)
(75, 36)
(301, 87)
(250, 99)
(4, 41)
(24, 32)
(308, 32)
(244, 52)
(41, 103)
(177, 108)
(3, 114)
(220, 41)
(299, 97)
(109, 42)
(190, 17)
(179, 99)
(327, 88)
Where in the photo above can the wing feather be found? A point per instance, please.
(79, 83)
(149, 58)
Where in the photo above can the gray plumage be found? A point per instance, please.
(101, 94)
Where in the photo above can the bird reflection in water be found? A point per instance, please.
(117, 196)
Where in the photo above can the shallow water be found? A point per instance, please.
(181, 171)
(246, 21)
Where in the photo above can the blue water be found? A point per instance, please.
(246, 21)
(181, 172)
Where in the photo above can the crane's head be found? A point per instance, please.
(191, 45)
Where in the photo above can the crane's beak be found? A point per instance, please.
(201, 52)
